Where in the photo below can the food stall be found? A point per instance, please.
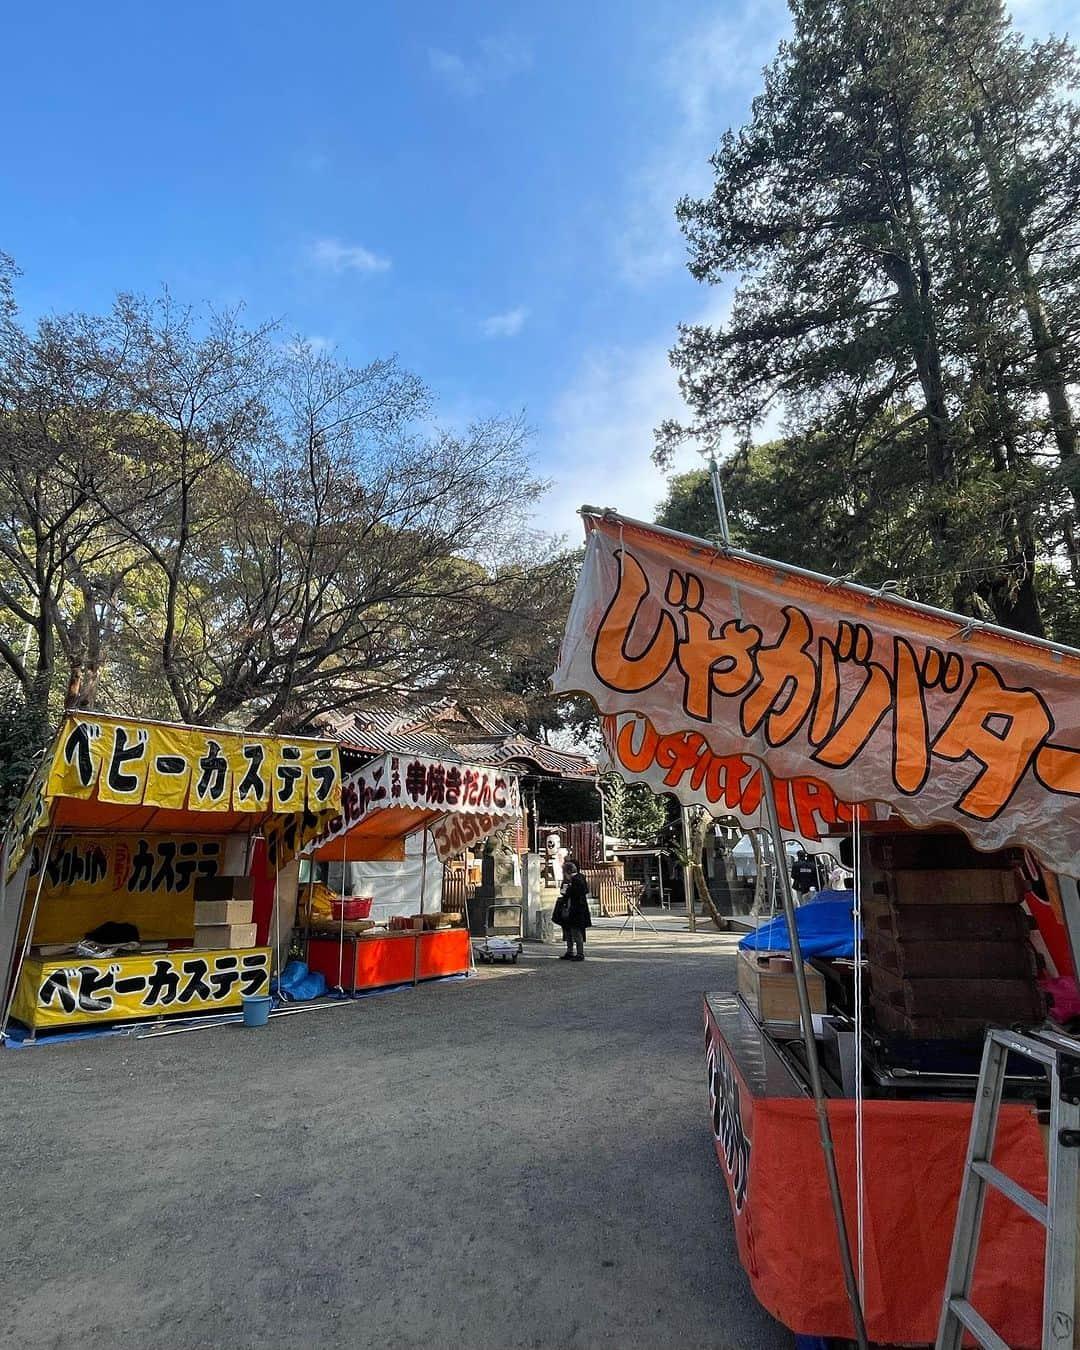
(843, 1142)
(126, 868)
(454, 805)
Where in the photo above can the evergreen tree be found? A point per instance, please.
(901, 209)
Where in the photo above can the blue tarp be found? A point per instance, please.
(825, 928)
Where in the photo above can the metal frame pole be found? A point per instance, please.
(812, 1065)
(802, 992)
(423, 888)
(16, 973)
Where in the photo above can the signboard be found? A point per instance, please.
(731, 1116)
(454, 834)
(471, 800)
(878, 700)
(188, 768)
(766, 1139)
(108, 765)
(132, 864)
(726, 785)
(143, 879)
(75, 991)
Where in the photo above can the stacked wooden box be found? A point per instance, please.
(223, 913)
(946, 939)
(766, 982)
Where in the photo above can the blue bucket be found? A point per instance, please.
(256, 1009)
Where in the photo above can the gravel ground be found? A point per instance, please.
(517, 1160)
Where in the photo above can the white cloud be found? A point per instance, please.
(506, 325)
(339, 257)
(706, 78)
(496, 60)
(599, 442)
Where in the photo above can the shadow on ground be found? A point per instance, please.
(519, 1160)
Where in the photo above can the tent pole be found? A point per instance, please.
(783, 879)
(813, 1067)
(418, 936)
(17, 972)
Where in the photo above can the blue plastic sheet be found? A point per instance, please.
(825, 929)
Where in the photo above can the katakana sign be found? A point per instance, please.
(100, 766)
(115, 989)
(125, 864)
(876, 699)
(188, 768)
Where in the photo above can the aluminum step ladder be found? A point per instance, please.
(1060, 1055)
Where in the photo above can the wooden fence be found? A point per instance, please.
(457, 891)
(606, 881)
(606, 884)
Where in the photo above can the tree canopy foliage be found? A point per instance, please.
(634, 812)
(902, 212)
(201, 521)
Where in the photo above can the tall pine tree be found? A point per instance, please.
(901, 212)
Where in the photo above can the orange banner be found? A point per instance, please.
(875, 698)
(726, 785)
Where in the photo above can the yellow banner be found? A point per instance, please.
(75, 991)
(171, 767)
(144, 879)
(131, 763)
(28, 817)
(76, 761)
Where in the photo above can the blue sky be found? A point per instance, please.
(485, 189)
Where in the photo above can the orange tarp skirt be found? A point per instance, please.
(770, 1154)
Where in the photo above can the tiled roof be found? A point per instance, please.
(446, 730)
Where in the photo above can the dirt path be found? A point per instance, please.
(517, 1160)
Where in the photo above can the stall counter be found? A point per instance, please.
(369, 961)
(76, 990)
(765, 1132)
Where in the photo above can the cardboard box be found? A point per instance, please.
(771, 994)
(954, 886)
(225, 888)
(222, 911)
(224, 936)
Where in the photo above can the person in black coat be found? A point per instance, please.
(576, 907)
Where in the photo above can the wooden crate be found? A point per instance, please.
(953, 886)
(943, 923)
(945, 960)
(771, 995)
(1001, 1001)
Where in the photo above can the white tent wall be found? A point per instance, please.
(395, 886)
(282, 923)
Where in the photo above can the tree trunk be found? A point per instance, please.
(1051, 377)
